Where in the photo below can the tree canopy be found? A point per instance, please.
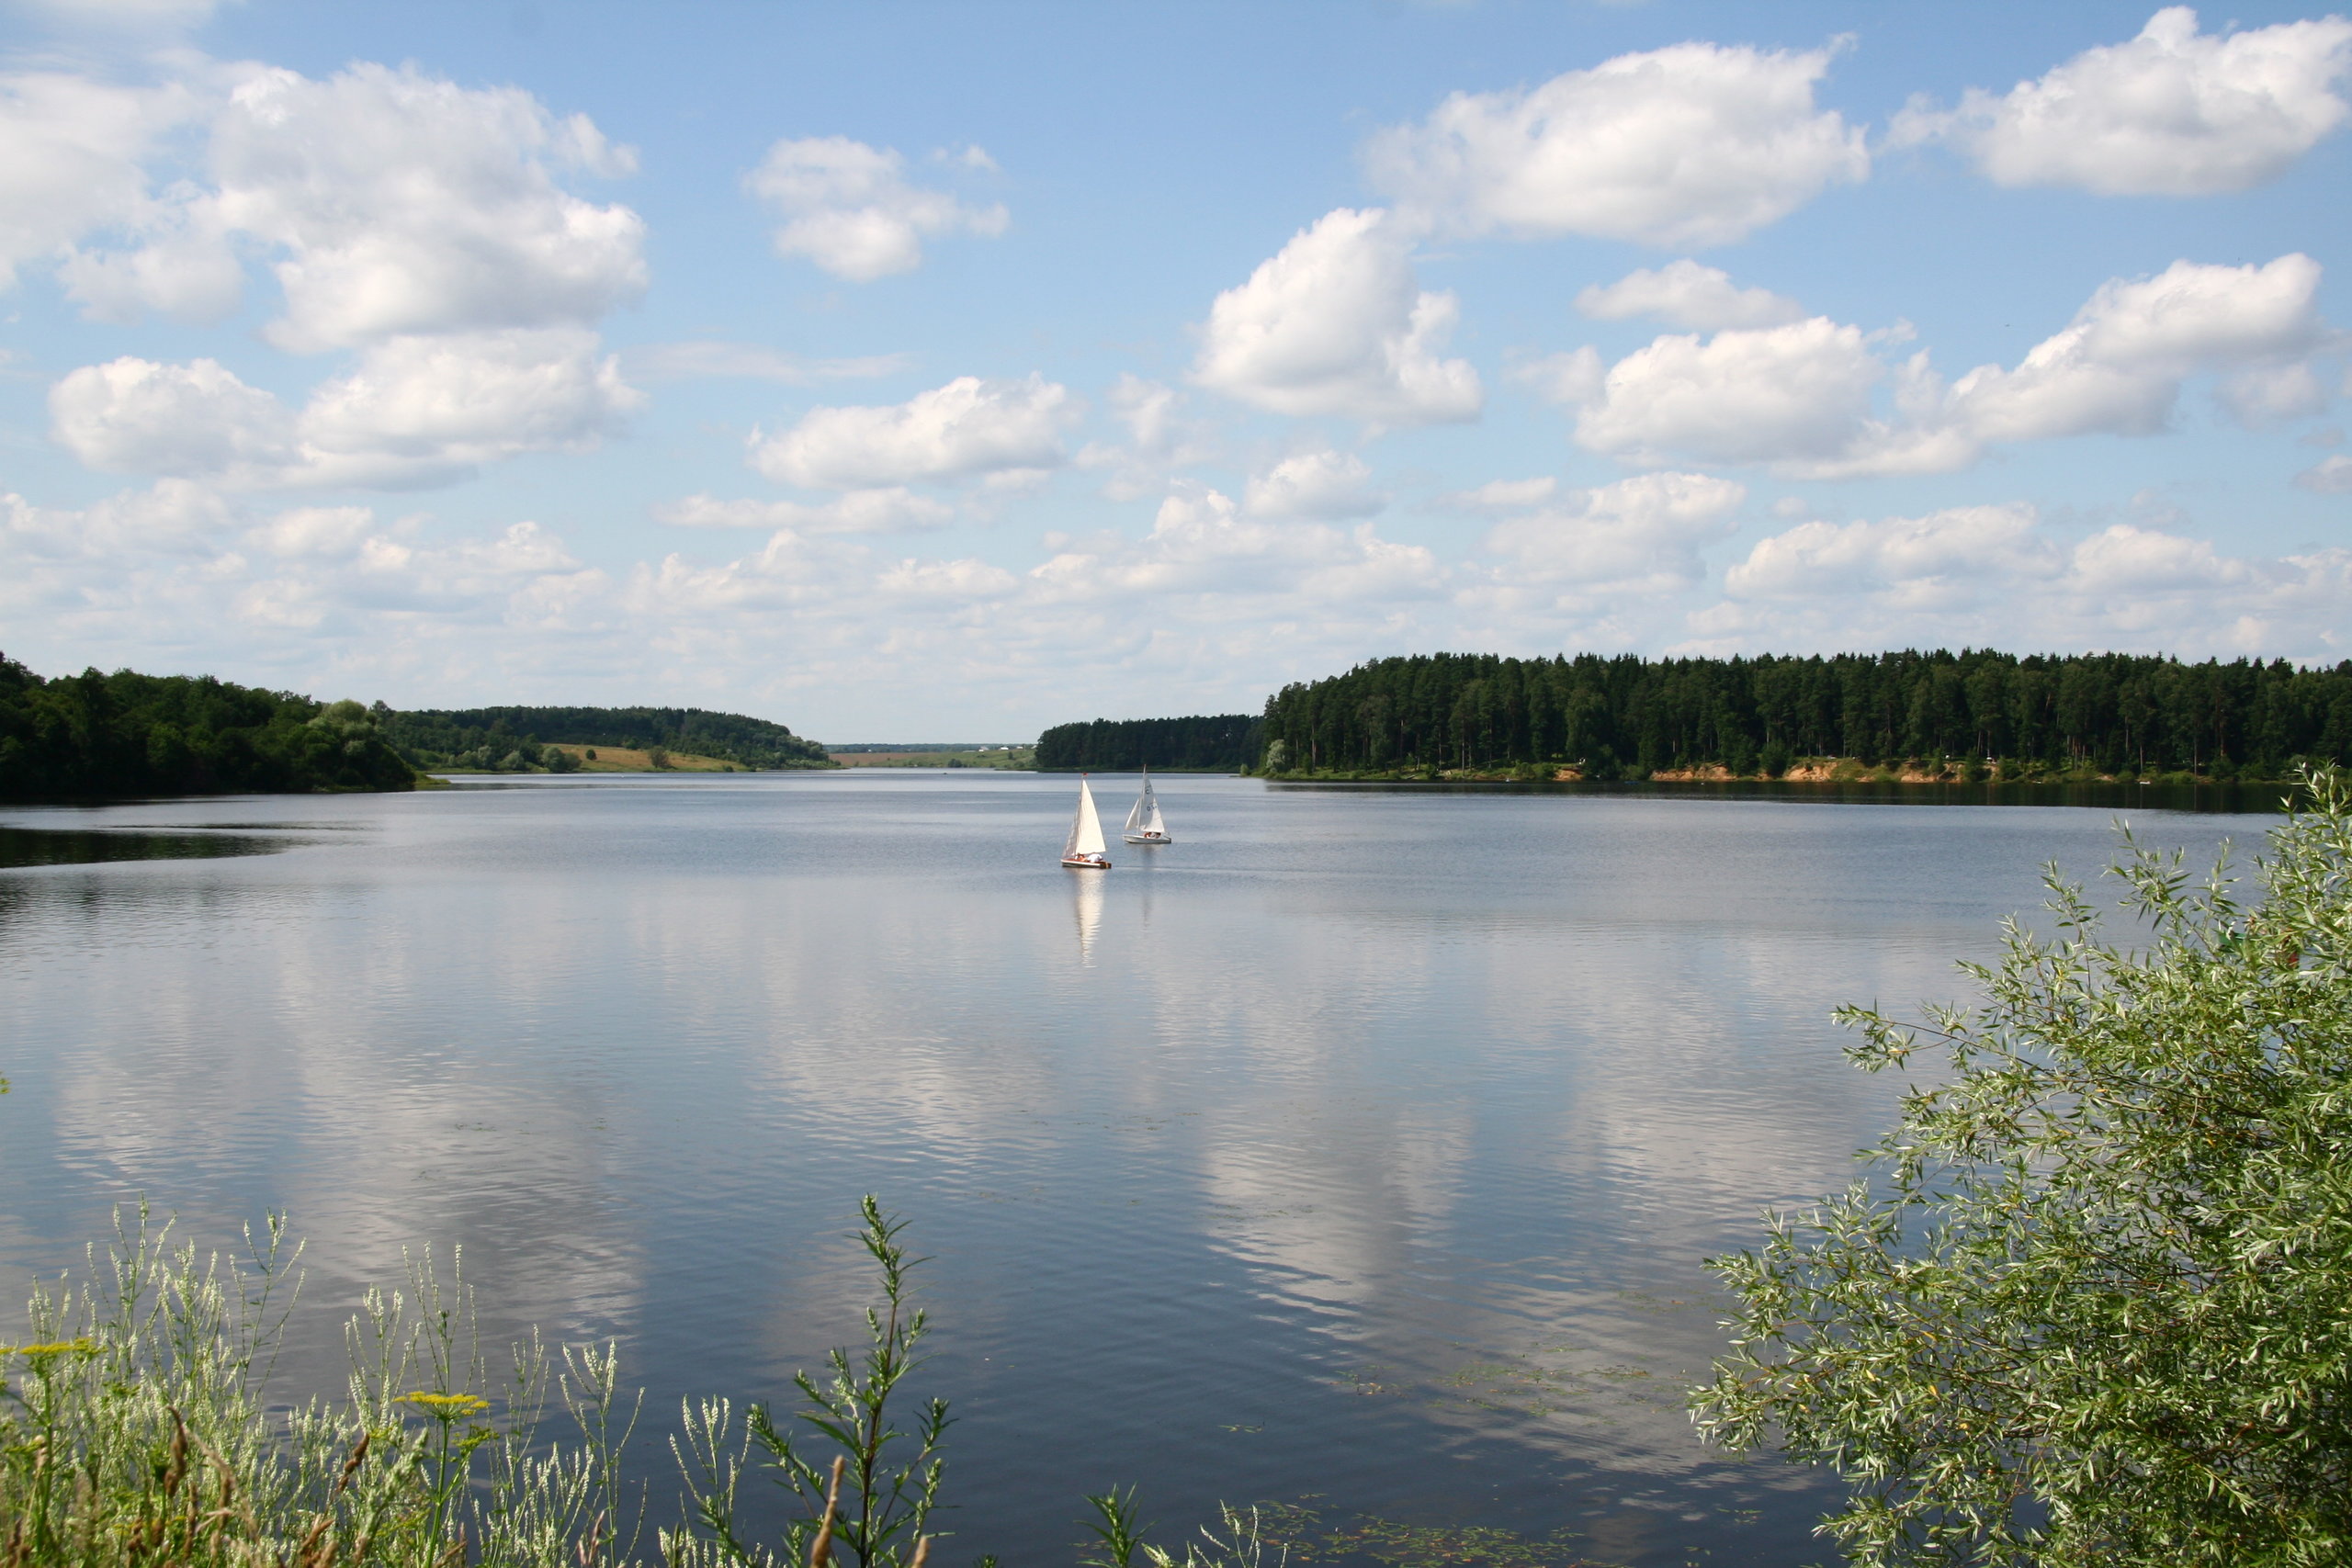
(438, 738)
(96, 735)
(1207, 743)
(2106, 713)
(2097, 1307)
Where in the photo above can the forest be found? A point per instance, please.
(94, 735)
(1221, 743)
(1972, 713)
(513, 740)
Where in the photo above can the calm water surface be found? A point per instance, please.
(1359, 1151)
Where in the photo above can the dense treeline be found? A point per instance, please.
(2110, 714)
(95, 735)
(1208, 743)
(486, 738)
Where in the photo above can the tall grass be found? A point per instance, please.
(135, 1433)
(133, 1430)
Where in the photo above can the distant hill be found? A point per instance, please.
(1218, 743)
(512, 737)
(94, 736)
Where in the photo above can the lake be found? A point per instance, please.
(1357, 1153)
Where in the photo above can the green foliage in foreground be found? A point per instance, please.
(2099, 1309)
(2099, 713)
(133, 1429)
(485, 737)
(869, 1505)
(136, 1430)
(93, 735)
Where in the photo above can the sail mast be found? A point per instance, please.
(1143, 807)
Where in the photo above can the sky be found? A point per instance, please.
(944, 371)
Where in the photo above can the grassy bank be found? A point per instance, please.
(550, 739)
(1014, 758)
(642, 760)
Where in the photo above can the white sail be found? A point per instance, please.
(1145, 812)
(1144, 826)
(1085, 829)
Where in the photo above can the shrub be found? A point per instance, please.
(2099, 1309)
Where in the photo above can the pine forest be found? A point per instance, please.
(1969, 714)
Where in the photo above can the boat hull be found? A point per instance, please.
(1078, 862)
(1148, 839)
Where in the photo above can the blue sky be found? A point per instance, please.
(950, 370)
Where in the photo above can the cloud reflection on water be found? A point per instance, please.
(1329, 1124)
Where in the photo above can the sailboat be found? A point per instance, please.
(1084, 850)
(1144, 826)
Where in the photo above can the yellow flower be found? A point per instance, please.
(447, 1406)
(83, 1347)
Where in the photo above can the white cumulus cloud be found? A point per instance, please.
(415, 410)
(2173, 112)
(709, 359)
(133, 415)
(1162, 438)
(184, 266)
(1947, 557)
(887, 510)
(1685, 293)
(1201, 543)
(1638, 535)
(850, 208)
(2119, 366)
(305, 533)
(422, 227)
(1501, 495)
(1336, 322)
(174, 518)
(388, 202)
(1324, 484)
(962, 581)
(1816, 398)
(404, 204)
(422, 410)
(1997, 576)
(158, 572)
(72, 153)
(1693, 146)
(1771, 394)
(967, 429)
(2332, 475)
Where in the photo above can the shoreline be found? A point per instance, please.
(1826, 771)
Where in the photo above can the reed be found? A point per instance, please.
(135, 1433)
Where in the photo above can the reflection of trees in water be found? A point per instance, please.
(87, 846)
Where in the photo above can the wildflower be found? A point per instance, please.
(447, 1406)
